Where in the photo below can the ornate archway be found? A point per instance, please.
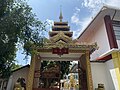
(61, 47)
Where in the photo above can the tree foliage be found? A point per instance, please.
(17, 24)
(15, 66)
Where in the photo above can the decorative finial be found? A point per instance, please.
(60, 17)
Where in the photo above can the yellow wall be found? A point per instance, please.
(116, 61)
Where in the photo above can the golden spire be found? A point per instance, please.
(60, 17)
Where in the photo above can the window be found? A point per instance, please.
(116, 27)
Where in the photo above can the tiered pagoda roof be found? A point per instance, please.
(60, 26)
(61, 37)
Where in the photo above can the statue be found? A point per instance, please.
(72, 83)
(20, 84)
(17, 86)
(65, 86)
(100, 87)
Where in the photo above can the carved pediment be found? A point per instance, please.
(60, 36)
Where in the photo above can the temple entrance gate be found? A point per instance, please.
(61, 47)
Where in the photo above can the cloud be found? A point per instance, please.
(92, 3)
(80, 23)
(77, 9)
(85, 22)
(113, 2)
(75, 33)
(75, 17)
(93, 7)
(50, 23)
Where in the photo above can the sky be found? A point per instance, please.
(78, 13)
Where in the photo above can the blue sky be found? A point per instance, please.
(78, 13)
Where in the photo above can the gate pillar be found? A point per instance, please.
(29, 85)
(88, 71)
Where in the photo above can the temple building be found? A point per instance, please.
(104, 29)
(96, 50)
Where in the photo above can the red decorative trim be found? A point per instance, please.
(106, 58)
(60, 51)
(110, 32)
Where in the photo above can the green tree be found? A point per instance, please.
(15, 66)
(65, 68)
(17, 25)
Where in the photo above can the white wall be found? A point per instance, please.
(112, 75)
(15, 75)
(101, 38)
(100, 74)
(97, 34)
(118, 42)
